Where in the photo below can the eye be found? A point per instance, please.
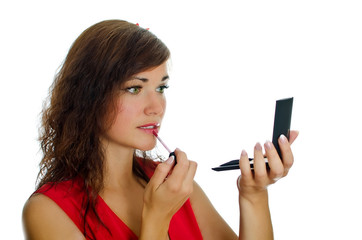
(161, 89)
(134, 90)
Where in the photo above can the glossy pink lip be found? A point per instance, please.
(150, 127)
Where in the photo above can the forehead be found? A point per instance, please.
(159, 73)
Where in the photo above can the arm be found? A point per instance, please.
(44, 219)
(164, 195)
(255, 220)
(212, 225)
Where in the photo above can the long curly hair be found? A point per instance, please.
(83, 93)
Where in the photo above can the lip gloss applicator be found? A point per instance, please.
(162, 142)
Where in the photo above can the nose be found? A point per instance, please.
(155, 104)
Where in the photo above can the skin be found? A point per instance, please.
(147, 208)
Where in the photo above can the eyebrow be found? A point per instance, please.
(146, 79)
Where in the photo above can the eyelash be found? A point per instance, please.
(136, 89)
(161, 89)
(133, 89)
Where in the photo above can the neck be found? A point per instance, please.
(118, 172)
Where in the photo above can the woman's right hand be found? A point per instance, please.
(165, 194)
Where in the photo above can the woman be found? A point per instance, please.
(105, 103)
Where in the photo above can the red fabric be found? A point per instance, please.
(69, 196)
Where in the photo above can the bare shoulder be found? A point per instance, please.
(211, 224)
(44, 219)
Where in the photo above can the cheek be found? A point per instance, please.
(125, 115)
(164, 104)
(121, 124)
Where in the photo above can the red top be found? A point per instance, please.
(69, 195)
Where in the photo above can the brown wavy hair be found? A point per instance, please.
(83, 92)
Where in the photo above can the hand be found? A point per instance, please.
(166, 192)
(252, 182)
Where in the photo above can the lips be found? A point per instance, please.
(150, 127)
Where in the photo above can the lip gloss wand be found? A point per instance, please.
(162, 142)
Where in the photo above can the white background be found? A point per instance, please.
(231, 61)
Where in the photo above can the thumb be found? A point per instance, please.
(293, 135)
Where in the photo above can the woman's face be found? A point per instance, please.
(140, 109)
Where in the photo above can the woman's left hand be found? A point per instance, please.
(255, 181)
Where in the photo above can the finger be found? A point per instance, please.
(293, 135)
(260, 171)
(275, 164)
(287, 154)
(189, 179)
(181, 168)
(161, 172)
(244, 165)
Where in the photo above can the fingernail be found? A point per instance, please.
(283, 138)
(238, 182)
(268, 145)
(258, 147)
(243, 153)
(170, 160)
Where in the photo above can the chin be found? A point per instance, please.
(147, 147)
